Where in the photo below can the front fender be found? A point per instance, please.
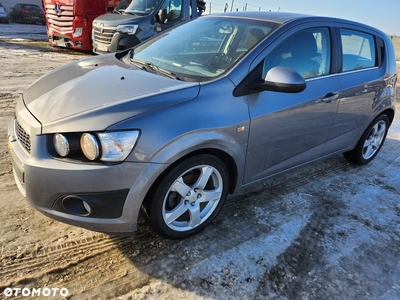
(205, 142)
(174, 151)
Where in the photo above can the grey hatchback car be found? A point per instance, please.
(171, 127)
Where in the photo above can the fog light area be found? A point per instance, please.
(76, 206)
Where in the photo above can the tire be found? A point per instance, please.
(370, 142)
(189, 197)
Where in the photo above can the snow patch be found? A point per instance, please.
(239, 270)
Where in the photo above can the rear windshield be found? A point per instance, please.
(31, 7)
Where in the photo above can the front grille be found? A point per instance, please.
(103, 35)
(23, 138)
(61, 19)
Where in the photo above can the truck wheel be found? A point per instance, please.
(370, 142)
(189, 197)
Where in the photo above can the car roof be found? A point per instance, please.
(286, 17)
(29, 4)
(278, 17)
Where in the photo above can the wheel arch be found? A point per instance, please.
(226, 158)
(356, 155)
(390, 113)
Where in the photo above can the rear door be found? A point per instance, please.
(361, 84)
(290, 129)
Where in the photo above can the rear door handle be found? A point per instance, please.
(330, 97)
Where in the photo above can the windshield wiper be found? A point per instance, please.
(150, 67)
(116, 11)
(146, 66)
(163, 71)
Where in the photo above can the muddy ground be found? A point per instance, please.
(330, 230)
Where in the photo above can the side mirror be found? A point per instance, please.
(110, 9)
(162, 16)
(282, 79)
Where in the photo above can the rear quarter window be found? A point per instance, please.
(358, 50)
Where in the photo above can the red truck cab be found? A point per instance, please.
(69, 22)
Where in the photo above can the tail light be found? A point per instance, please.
(24, 11)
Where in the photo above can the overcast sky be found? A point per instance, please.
(383, 14)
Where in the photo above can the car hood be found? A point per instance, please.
(116, 19)
(95, 93)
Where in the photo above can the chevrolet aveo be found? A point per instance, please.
(172, 126)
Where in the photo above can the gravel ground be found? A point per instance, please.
(329, 230)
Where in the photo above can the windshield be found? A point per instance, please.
(204, 48)
(138, 7)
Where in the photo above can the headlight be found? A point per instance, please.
(129, 29)
(116, 146)
(78, 32)
(66, 144)
(90, 146)
(61, 144)
(112, 146)
(108, 146)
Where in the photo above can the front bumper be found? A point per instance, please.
(35, 20)
(113, 192)
(79, 43)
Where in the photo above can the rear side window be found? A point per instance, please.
(359, 51)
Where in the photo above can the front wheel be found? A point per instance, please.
(370, 142)
(189, 197)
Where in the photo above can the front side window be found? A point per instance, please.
(308, 52)
(170, 10)
(358, 50)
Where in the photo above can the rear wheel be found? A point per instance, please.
(370, 142)
(189, 197)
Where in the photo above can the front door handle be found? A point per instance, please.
(330, 97)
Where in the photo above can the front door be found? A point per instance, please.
(290, 129)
